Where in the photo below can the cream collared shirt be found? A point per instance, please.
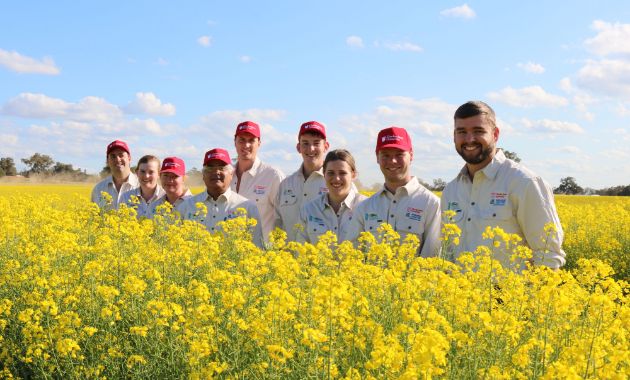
(162, 200)
(260, 184)
(143, 208)
(317, 217)
(221, 209)
(293, 193)
(412, 209)
(107, 185)
(507, 195)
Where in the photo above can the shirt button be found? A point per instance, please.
(304, 194)
(469, 219)
(494, 215)
(391, 216)
(394, 201)
(472, 203)
(335, 228)
(214, 216)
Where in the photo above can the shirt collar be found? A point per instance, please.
(409, 187)
(223, 197)
(300, 172)
(490, 170)
(252, 171)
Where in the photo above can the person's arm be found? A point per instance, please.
(539, 221)
(430, 245)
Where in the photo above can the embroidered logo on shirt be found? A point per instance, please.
(316, 220)
(414, 214)
(371, 216)
(498, 199)
(259, 189)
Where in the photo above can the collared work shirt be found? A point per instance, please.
(507, 195)
(260, 184)
(143, 208)
(164, 199)
(317, 217)
(221, 209)
(107, 185)
(294, 192)
(412, 209)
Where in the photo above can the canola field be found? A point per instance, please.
(87, 294)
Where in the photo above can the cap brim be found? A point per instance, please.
(171, 171)
(394, 146)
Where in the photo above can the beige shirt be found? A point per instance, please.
(317, 217)
(294, 192)
(219, 210)
(260, 184)
(411, 210)
(161, 201)
(143, 208)
(107, 185)
(507, 195)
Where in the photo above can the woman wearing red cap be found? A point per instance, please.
(172, 178)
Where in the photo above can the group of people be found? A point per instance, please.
(490, 190)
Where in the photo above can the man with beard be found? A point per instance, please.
(221, 202)
(492, 191)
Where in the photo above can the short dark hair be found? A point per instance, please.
(340, 155)
(474, 108)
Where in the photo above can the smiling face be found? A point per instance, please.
(313, 149)
(247, 146)
(118, 161)
(395, 164)
(217, 176)
(339, 176)
(475, 140)
(148, 175)
(172, 184)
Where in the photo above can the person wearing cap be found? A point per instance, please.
(307, 183)
(493, 191)
(172, 179)
(221, 202)
(122, 179)
(254, 179)
(403, 202)
(334, 210)
(143, 197)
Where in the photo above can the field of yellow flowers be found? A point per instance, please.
(87, 294)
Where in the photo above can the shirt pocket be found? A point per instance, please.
(315, 230)
(372, 225)
(406, 226)
(496, 216)
(288, 199)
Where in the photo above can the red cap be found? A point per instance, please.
(394, 137)
(173, 165)
(312, 127)
(118, 144)
(247, 127)
(217, 154)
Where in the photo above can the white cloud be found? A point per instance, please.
(609, 77)
(527, 97)
(245, 58)
(148, 103)
(399, 46)
(162, 62)
(462, 11)
(570, 149)
(204, 41)
(610, 39)
(8, 139)
(551, 126)
(566, 85)
(17, 62)
(531, 67)
(354, 41)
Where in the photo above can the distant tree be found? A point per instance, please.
(38, 164)
(615, 191)
(568, 185)
(61, 168)
(7, 166)
(438, 184)
(105, 171)
(511, 155)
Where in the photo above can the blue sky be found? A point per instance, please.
(174, 78)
